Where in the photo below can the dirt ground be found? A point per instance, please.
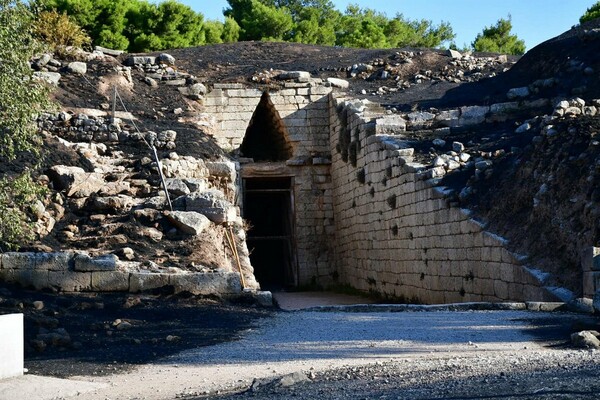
(98, 334)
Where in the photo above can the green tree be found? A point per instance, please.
(591, 13)
(135, 25)
(362, 28)
(231, 31)
(22, 98)
(316, 23)
(259, 21)
(401, 32)
(498, 39)
(213, 32)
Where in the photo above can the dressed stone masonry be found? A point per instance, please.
(397, 235)
(77, 272)
(303, 112)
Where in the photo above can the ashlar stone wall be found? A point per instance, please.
(304, 111)
(395, 233)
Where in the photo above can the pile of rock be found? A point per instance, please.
(50, 69)
(460, 68)
(162, 70)
(82, 127)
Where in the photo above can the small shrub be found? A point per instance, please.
(58, 31)
(16, 197)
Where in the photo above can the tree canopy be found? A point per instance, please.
(591, 13)
(498, 39)
(139, 25)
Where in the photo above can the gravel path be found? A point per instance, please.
(367, 355)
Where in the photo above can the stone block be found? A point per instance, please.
(11, 345)
(143, 281)
(228, 86)
(25, 277)
(501, 289)
(590, 259)
(470, 115)
(110, 281)
(68, 281)
(210, 283)
(85, 263)
(13, 260)
(53, 261)
(189, 222)
(140, 60)
(588, 284)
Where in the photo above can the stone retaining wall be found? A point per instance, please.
(73, 272)
(396, 235)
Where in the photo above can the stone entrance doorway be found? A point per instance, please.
(269, 208)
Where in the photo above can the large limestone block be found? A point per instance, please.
(53, 261)
(26, 277)
(74, 181)
(471, 115)
(210, 283)
(211, 203)
(117, 203)
(13, 260)
(69, 281)
(85, 263)
(77, 67)
(110, 281)
(140, 60)
(143, 281)
(188, 222)
(222, 169)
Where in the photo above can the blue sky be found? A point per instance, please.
(533, 20)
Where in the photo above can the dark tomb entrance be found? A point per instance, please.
(268, 207)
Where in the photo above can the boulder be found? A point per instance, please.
(419, 118)
(188, 222)
(140, 60)
(49, 77)
(194, 92)
(586, 339)
(456, 55)
(74, 181)
(470, 115)
(77, 67)
(222, 169)
(300, 76)
(211, 203)
(177, 187)
(165, 58)
(518, 93)
(111, 203)
(150, 233)
(339, 83)
(110, 52)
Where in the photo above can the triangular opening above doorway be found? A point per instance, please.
(266, 138)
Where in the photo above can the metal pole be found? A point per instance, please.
(114, 106)
(162, 177)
